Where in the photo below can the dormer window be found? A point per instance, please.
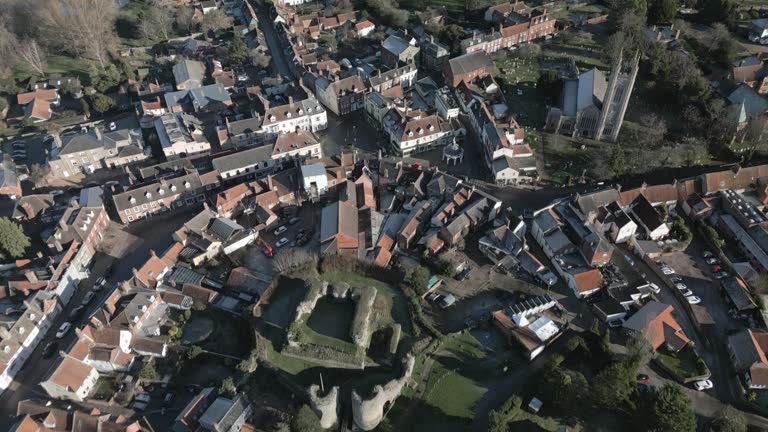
(148, 194)
(301, 111)
(187, 185)
(272, 118)
(133, 200)
(22, 330)
(173, 188)
(32, 316)
(410, 133)
(430, 127)
(6, 349)
(161, 191)
(288, 115)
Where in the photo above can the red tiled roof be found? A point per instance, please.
(588, 280)
(48, 95)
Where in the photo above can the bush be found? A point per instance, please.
(149, 373)
(193, 352)
(251, 363)
(227, 387)
(305, 421)
(711, 235)
(102, 103)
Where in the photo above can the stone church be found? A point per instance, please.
(593, 107)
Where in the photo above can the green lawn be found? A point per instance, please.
(684, 363)
(564, 158)
(586, 48)
(57, 64)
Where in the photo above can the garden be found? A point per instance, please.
(684, 365)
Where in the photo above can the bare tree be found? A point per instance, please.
(8, 43)
(259, 59)
(185, 19)
(215, 20)
(33, 55)
(81, 27)
(160, 16)
(290, 259)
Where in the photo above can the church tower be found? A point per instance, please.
(616, 98)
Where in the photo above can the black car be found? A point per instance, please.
(50, 349)
(75, 313)
(168, 400)
(464, 275)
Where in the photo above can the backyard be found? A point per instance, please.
(685, 364)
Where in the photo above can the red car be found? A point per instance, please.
(716, 269)
(643, 379)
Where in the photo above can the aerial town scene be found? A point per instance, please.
(383, 215)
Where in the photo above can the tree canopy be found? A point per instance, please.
(13, 241)
(668, 409)
(306, 421)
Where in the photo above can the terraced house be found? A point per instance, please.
(94, 150)
(159, 197)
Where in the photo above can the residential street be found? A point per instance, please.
(133, 244)
(273, 41)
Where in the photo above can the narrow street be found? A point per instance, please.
(149, 235)
(273, 41)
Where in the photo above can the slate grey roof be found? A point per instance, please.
(186, 184)
(754, 104)
(338, 218)
(8, 176)
(313, 170)
(189, 70)
(590, 202)
(224, 228)
(200, 221)
(588, 89)
(469, 62)
(738, 294)
(91, 141)
(249, 125)
(395, 45)
(744, 350)
(183, 275)
(92, 197)
(242, 159)
(198, 98)
(391, 74)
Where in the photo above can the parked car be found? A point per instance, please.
(654, 288)
(112, 126)
(168, 399)
(294, 221)
(713, 261)
(464, 274)
(100, 282)
(676, 279)
(615, 323)
(703, 385)
(707, 254)
(75, 313)
(56, 192)
(139, 406)
(282, 242)
(643, 378)
(50, 349)
(300, 234)
(693, 299)
(686, 292)
(721, 275)
(280, 230)
(667, 270)
(63, 330)
(143, 397)
(87, 299)
(681, 286)
(716, 268)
